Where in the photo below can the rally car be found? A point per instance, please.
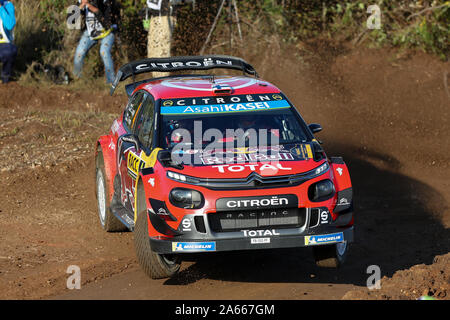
(210, 163)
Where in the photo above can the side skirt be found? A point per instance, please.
(124, 215)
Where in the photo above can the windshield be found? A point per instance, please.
(259, 128)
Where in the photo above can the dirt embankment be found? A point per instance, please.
(418, 281)
(387, 114)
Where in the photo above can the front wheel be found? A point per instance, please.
(331, 256)
(156, 266)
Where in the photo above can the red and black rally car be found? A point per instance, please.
(209, 163)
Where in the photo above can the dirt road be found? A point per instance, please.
(386, 113)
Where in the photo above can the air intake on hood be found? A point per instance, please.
(222, 89)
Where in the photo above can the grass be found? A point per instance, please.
(422, 25)
(33, 38)
(10, 133)
(66, 120)
(42, 35)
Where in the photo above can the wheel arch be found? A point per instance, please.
(140, 202)
(341, 174)
(106, 145)
(140, 190)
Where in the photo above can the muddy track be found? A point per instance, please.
(386, 114)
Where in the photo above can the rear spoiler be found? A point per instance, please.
(179, 64)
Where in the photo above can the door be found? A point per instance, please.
(125, 146)
(140, 120)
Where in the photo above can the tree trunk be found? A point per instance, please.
(160, 35)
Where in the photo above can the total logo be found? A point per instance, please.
(260, 233)
(264, 167)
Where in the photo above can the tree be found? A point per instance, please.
(160, 34)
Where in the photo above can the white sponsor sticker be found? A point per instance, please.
(260, 240)
(186, 225)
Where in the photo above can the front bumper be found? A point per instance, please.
(259, 241)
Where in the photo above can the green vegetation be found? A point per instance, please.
(421, 25)
(42, 35)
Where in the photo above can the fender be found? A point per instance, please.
(109, 149)
(343, 209)
(150, 183)
(341, 174)
(144, 174)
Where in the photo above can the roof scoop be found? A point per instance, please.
(219, 89)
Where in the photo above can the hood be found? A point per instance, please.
(241, 162)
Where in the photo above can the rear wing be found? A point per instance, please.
(179, 64)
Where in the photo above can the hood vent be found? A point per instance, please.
(222, 89)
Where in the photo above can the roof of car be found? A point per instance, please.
(189, 86)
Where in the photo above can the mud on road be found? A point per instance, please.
(386, 113)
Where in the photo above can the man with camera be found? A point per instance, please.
(101, 19)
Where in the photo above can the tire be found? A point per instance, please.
(156, 266)
(107, 220)
(330, 256)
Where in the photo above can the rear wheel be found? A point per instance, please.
(156, 266)
(107, 220)
(331, 256)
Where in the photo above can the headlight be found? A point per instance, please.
(321, 190)
(321, 169)
(181, 177)
(186, 198)
(176, 176)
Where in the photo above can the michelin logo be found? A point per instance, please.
(193, 246)
(324, 238)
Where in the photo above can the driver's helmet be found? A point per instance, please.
(248, 121)
(176, 135)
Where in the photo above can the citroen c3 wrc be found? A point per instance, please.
(201, 163)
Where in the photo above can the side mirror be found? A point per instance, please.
(130, 138)
(164, 156)
(315, 127)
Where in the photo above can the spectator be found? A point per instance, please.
(8, 51)
(101, 17)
